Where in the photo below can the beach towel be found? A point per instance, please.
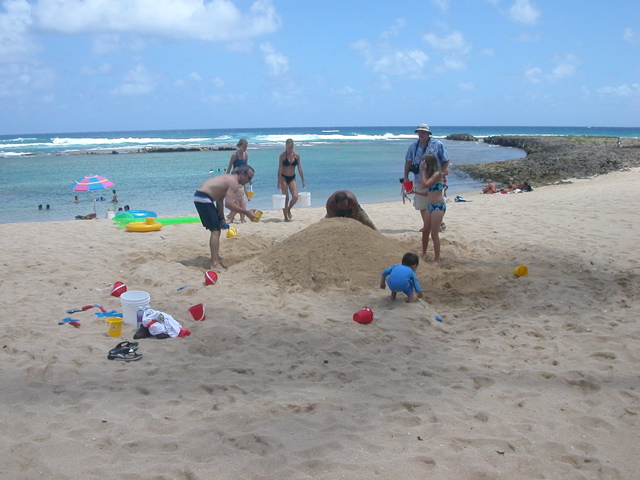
(160, 322)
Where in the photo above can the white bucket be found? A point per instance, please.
(131, 301)
(304, 199)
(278, 201)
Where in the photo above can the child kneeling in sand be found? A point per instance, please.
(402, 278)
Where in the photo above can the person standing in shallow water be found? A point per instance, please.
(288, 161)
(239, 157)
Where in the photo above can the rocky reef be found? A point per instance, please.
(554, 159)
(461, 137)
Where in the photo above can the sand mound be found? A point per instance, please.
(335, 252)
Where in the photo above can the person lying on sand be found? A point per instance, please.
(490, 188)
(343, 203)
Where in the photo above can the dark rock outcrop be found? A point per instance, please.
(461, 137)
(553, 159)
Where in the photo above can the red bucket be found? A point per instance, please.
(363, 316)
(210, 278)
(197, 312)
(408, 186)
(118, 289)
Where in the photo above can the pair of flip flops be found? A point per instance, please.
(125, 351)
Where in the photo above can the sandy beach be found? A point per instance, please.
(525, 378)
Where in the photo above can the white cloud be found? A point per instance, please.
(528, 37)
(24, 79)
(107, 43)
(533, 75)
(217, 82)
(387, 60)
(401, 62)
(138, 81)
(214, 21)
(293, 95)
(523, 11)
(347, 94)
(566, 68)
(451, 62)
(563, 70)
(452, 42)
(15, 42)
(394, 30)
(276, 63)
(624, 90)
(630, 36)
(466, 86)
(441, 4)
(383, 59)
(103, 69)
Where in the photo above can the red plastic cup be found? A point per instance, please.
(210, 278)
(363, 316)
(118, 289)
(408, 186)
(197, 312)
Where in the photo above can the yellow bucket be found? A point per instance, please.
(521, 271)
(115, 326)
(232, 232)
(258, 214)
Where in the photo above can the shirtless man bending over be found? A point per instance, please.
(343, 203)
(212, 197)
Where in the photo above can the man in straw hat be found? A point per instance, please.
(424, 144)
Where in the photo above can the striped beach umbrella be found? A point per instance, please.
(91, 183)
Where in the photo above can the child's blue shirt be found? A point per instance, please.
(401, 278)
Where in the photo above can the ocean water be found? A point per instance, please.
(37, 169)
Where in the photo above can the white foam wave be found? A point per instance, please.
(25, 145)
(15, 154)
(119, 141)
(329, 137)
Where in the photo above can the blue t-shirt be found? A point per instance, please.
(415, 153)
(401, 278)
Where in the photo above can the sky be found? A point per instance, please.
(114, 65)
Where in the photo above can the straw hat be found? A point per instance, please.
(423, 127)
